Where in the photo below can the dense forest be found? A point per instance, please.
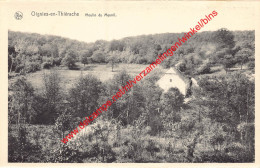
(147, 124)
(31, 52)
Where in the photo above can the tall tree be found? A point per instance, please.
(98, 57)
(128, 106)
(227, 61)
(84, 96)
(11, 58)
(22, 99)
(70, 59)
(171, 103)
(116, 45)
(52, 94)
(84, 56)
(243, 56)
(113, 59)
(230, 98)
(224, 38)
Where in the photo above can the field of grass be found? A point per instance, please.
(69, 77)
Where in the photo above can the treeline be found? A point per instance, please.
(145, 125)
(29, 52)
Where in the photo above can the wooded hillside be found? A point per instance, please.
(29, 52)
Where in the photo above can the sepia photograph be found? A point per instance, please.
(131, 82)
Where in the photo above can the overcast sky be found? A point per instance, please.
(133, 18)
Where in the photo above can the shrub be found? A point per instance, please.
(251, 65)
(20, 149)
(181, 66)
(65, 154)
(19, 68)
(216, 141)
(46, 65)
(141, 60)
(98, 57)
(57, 61)
(204, 68)
(187, 125)
(70, 59)
(32, 67)
(239, 153)
(217, 156)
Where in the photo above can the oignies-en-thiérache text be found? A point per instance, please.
(58, 13)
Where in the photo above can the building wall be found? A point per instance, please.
(172, 80)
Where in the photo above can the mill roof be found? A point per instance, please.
(175, 71)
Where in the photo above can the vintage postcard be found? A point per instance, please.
(129, 83)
